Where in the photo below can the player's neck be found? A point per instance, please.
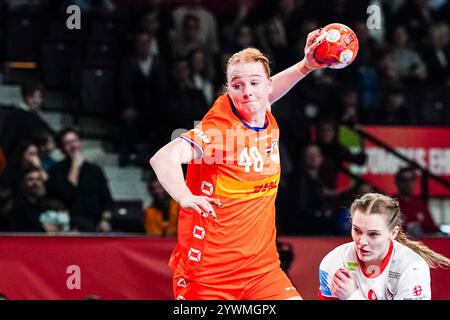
(378, 262)
(256, 119)
(255, 122)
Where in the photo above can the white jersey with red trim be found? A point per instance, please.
(404, 274)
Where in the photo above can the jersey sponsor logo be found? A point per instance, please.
(323, 279)
(371, 295)
(229, 187)
(351, 266)
(265, 187)
(265, 137)
(417, 291)
(394, 275)
(180, 297)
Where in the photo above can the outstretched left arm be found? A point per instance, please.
(283, 81)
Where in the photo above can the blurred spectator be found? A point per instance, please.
(290, 13)
(406, 61)
(81, 185)
(150, 23)
(207, 24)
(143, 86)
(387, 74)
(308, 212)
(437, 55)
(243, 38)
(161, 218)
(188, 38)
(26, 120)
(242, 13)
(416, 215)
(274, 43)
(376, 77)
(395, 109)
(27, 203)
(55, 217)
(349, 107)
(202, 73)
(26, 155)
(6, 201)
(334, 154)
(157, 21)
(416, 16)
(46, 145)
(185, 104)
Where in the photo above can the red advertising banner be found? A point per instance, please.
(430, 147)
(74, 268)
(56, 268)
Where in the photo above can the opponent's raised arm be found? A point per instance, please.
(283, 81)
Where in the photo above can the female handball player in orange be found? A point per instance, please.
(226, 229)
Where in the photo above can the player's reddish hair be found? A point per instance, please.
(250, 55)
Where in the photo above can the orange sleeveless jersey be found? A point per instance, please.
(240, 166)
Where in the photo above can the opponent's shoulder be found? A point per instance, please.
(338, 256)
(405, 256)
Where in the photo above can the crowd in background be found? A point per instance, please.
(170, 69)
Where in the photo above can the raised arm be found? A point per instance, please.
(283, 81)
(167, 165)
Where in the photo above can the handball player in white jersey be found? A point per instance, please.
(381, 263)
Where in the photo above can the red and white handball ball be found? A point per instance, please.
(339, 47)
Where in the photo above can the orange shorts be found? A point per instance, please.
(274, 285)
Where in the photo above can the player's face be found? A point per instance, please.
(372, 237)
(249, 87)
